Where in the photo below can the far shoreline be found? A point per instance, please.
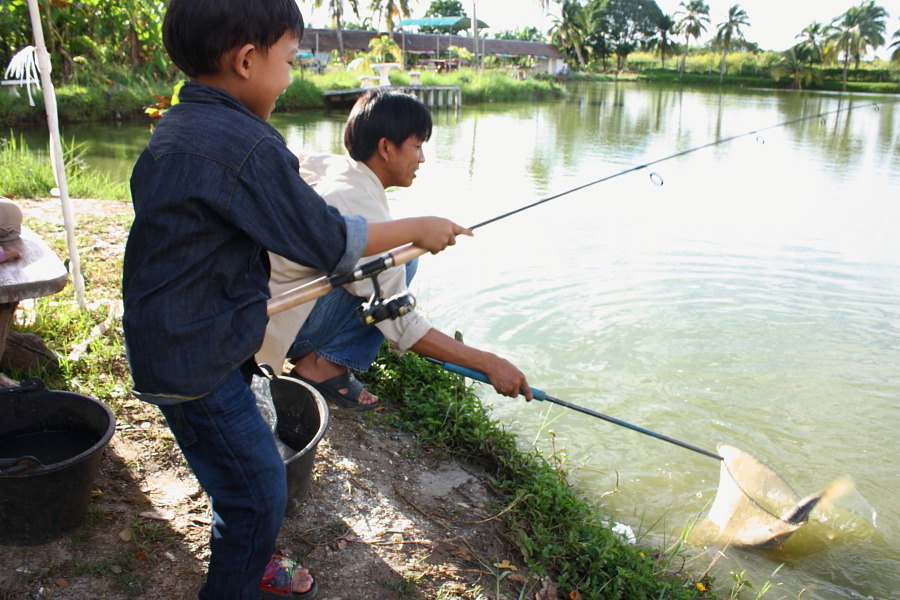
(135, 101)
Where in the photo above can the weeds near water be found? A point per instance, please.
(26, 173)
(740, 583)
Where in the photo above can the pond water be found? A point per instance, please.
(753, 298)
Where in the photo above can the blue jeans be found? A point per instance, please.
(233, 455)
(334, 332)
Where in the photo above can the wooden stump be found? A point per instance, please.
(27, 352)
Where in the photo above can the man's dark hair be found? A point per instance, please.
(196, 33)
(380, 114)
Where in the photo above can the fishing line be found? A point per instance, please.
(398, 256)
(657, 180)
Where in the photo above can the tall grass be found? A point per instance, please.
(26, 173)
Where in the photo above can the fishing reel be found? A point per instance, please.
(377, 309)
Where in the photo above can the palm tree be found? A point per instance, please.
(853, 33)
(812, 36)
(661, 41)
(336, 9)
(872, 26)
(895, 55)
(389, 11)
(691, 24)
(570, 29)
(729, 29)
(382, 48)
(796, 63)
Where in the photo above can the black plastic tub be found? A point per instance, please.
(51, 443)
(302, 421)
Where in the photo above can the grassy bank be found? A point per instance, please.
(77, 103)
(671, 77)
(759, 81)
(557, 532)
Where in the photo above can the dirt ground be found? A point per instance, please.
(384, 517)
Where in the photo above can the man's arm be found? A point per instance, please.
(503, 375)
(429, 233)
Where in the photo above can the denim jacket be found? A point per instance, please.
(215, 186)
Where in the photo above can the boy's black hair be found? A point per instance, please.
(380, 114)
(197, 32)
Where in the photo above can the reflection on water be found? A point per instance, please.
(753, 298)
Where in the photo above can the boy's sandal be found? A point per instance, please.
(278, 580)
(343, 390)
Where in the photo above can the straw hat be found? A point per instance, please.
(10, 220)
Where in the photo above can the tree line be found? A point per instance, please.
(592, 32)
(93, 40)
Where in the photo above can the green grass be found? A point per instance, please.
(99, 369)
(556, 531)
(26, 173)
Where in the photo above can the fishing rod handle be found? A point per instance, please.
(321, 286)
(479, 376)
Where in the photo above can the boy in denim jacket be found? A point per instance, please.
(215, 187)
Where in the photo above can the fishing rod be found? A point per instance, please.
(321, 286)
(541, 395)
(821, 115)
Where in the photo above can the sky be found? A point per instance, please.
(774, 24)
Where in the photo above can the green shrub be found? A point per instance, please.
(16, 110)
(301, 93)
(335, 80)
(107, 101)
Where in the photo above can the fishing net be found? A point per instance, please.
(754, 507)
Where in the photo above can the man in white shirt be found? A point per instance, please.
(383, 136)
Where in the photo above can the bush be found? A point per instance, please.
(14, 111)
(301, 93)
(867, 75)
(76, 103)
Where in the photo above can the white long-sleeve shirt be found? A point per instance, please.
(353, 189)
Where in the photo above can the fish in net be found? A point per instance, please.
(754, 507)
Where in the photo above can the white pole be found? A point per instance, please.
(56, 154)
(475, 34)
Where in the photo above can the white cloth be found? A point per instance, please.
(353, 189)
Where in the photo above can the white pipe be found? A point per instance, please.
(56, 154)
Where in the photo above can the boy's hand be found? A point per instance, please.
(435, 233)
